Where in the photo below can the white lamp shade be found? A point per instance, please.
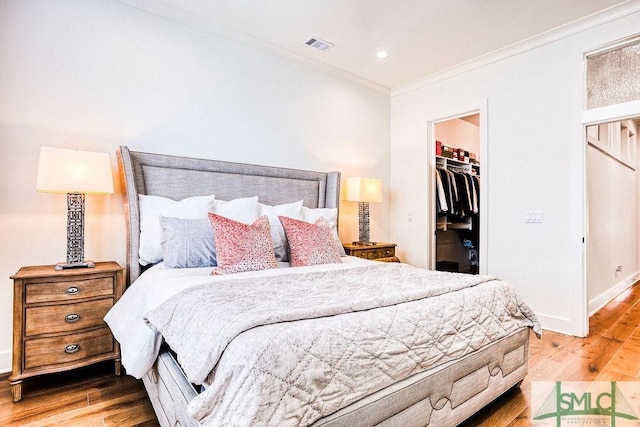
(74, 171)
(358, 189)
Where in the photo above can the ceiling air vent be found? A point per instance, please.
(319, 44)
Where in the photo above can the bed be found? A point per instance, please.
(387, 379)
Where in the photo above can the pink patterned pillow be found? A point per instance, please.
(310, 244)
(242, 247)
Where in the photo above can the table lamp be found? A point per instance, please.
(76, 173)
(363, 191)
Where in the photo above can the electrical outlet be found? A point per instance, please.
(533, 217)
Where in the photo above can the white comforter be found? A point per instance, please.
(140, 345)
(366, 328)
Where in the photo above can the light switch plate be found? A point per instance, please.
(533, 217)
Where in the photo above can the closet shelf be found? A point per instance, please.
(445, 162)
(445, 225)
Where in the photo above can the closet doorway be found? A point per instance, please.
(457, 205)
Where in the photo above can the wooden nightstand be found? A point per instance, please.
(385, 252)
(57, 319)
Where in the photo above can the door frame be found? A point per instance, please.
(479, 107)
(612, 113)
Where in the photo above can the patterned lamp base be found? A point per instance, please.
(363, 224)
(75, 233)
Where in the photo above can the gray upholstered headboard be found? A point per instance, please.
(179, 177)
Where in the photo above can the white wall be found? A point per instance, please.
(96, 75)
(535, 161)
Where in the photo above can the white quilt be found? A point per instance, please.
(289, 349)
(139, 345)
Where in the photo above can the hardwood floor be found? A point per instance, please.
(611, 352)
(95, 397)
(91, 396)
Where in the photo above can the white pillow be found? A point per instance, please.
(152, 207)
(243, 210)
(331, 215)
(291, 210)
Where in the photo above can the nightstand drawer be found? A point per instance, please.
(68, 290)
(66, 317)
(67, 348)
(374, 253)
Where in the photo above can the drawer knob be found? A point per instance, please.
(72, 348)
(73, 290)
(72, 318)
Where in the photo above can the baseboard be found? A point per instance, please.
(5, 362)
(601, 300)
(557, 324)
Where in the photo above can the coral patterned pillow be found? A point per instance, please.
(242, 247)
(310, 244)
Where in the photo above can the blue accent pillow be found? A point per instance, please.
(187, 243)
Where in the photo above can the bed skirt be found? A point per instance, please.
(444, 395)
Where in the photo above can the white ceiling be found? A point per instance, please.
(421, 36)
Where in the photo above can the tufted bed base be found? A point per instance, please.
(444, 395)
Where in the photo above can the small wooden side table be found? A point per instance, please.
(58, 319)
(385, 252)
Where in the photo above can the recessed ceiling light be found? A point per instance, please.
(381, 54)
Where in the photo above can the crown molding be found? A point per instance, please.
(180, 16)
(163, 10)
(611, 14)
